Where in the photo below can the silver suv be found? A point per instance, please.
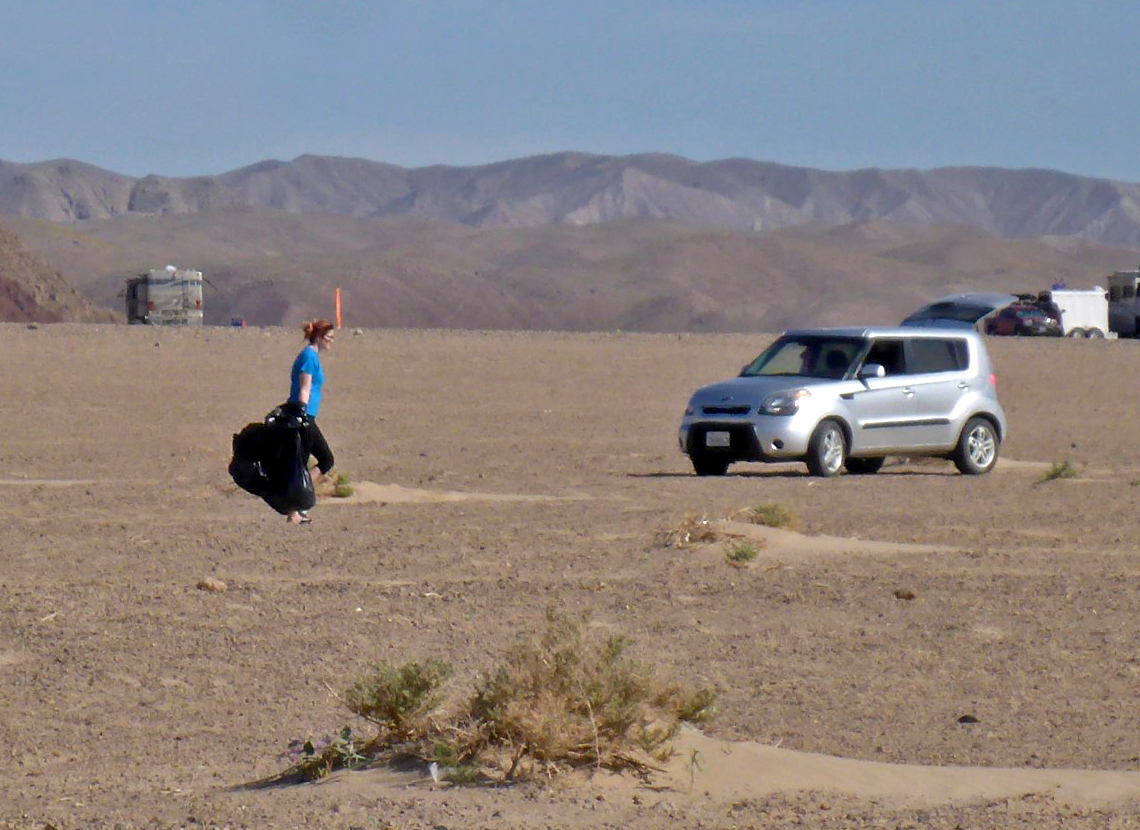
(850, 397)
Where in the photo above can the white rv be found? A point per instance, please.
(1123, 304)
(165, 297)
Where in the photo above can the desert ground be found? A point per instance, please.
(923, 649)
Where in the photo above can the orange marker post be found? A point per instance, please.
(338, 325)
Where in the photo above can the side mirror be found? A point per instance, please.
(872, 370)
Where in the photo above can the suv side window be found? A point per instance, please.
(890, 354)
(930, 354)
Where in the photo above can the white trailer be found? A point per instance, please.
(1084, 311)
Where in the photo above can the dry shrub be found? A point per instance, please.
(690, 531)
(569, 697)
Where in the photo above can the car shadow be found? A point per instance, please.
(740, 474)
(802, 474)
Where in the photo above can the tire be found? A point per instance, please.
(864, 466)
(827, 450)
(977, 449)
(1094, 334)
(709, 465)
(1076, 332)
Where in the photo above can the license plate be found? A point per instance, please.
(718, 439)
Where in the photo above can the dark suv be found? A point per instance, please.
(1024, 319)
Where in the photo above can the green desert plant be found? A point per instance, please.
(1060, 469)
(463, 774)
(393, 697)
(316, 760)
(769, 515)
(740, 553)
(342, 487)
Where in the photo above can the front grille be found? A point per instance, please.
(726, 410)
(743, 445)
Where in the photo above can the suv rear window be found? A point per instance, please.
(950, 311)
(937, 354)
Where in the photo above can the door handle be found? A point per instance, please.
(963, 385)
(906, 390)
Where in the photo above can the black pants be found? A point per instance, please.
(312, 441)
(316, 445)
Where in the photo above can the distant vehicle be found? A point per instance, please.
(959, 311)
(164, 297)
(1023, 319)
(849, 397)
(1082, 312)
(1123, 303)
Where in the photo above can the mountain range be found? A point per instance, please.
(574, 241)
(582, 189)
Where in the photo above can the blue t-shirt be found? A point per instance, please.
(308, 362)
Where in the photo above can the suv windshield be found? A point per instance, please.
(811, 356)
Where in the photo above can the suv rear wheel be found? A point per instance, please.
(827, 450)
(977, 449)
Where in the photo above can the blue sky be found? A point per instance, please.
(186, 88)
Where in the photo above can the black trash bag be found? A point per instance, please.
(270, 461)
(251, 447)
(291, 484)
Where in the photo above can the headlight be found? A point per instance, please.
(784, 403)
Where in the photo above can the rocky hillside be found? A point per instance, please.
(273, 267)
(582, 189)
(32, 291)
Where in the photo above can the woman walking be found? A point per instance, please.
(306, 380)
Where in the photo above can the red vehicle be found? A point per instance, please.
(1023, 319)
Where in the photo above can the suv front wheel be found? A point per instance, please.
(827, 450)
(709, 465)
(977, 449)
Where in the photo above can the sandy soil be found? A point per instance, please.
(502, 474)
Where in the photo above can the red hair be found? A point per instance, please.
(316, 329)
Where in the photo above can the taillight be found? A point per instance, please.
(993, 380)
